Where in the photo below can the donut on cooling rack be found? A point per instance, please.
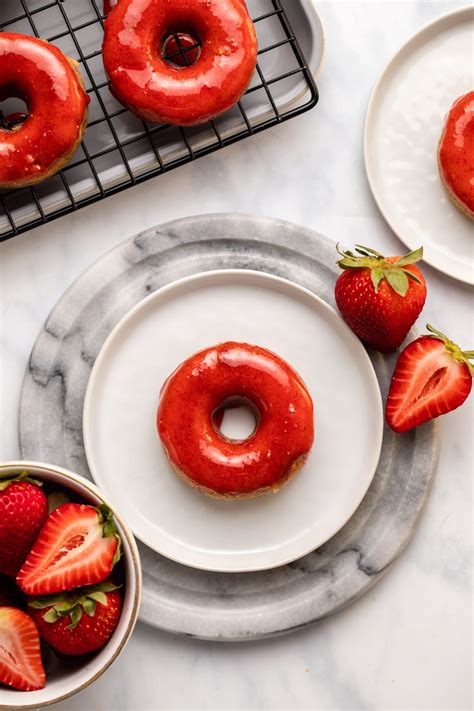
(190, 411)
(222, 44)
(51, 86)
(456, 154)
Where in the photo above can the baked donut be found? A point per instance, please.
(51, 86)
(165, 91)
(170, 47)
(456, 154)
(188, 420)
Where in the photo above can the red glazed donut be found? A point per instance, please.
(200, 453)
(456, 154)
(157, 90)
(49, 83)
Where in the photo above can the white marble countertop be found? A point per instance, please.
(405, 645)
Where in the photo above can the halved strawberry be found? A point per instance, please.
(20, 654)
(432, 376)
(78, 545)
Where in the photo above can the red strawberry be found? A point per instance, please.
(20, 653)
(23, 510)
(380, 297)
(80, 621)
(78, 545)
(432, 376)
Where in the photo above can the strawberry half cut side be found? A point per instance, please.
(432, 376)
(78, 545)
(20, 654)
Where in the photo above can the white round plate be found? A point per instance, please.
(404, 121)
(125, 455)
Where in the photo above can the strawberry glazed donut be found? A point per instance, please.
(52, 88)
(157, 90)
(456, 154)
(190, 411)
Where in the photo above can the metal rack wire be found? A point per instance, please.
(88, 177)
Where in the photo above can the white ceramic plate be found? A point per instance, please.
(404, 122)
(125, 455)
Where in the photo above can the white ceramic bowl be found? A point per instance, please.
(64, 682)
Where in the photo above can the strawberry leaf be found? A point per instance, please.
(118, 552)
(369, 250)
(376, 275)
(89, 606)
(410, 275)
(350, 263)
(73, 603)
(41, 603)
(24, 476)
(76, 616)
(437, 334)
(410, 258)
(51, 616)
(453, 349)
(398, 280)
(109, 528)
(106, 587)
(106, 518)
(363, 252)
(98, 597)
(63, 608)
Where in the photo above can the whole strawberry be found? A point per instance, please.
(80, 621)
(432, 376)
(23, 510)
(380, 297)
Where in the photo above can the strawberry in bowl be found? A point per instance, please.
(380, 297)
(78, 545)
(23, 510)
(80, 621)
(21, 666)
(60, 589)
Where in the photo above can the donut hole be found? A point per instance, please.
(180, 49)
(13, 112)
(236, 419)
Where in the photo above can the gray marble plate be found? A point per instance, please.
(176, 598)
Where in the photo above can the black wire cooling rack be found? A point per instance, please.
(119, 150)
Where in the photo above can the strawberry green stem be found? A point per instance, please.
(109, 527)
(453, 349)
(72, 604)
(24, 476)
(395, 273)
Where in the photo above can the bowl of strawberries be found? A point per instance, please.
(70, 582)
